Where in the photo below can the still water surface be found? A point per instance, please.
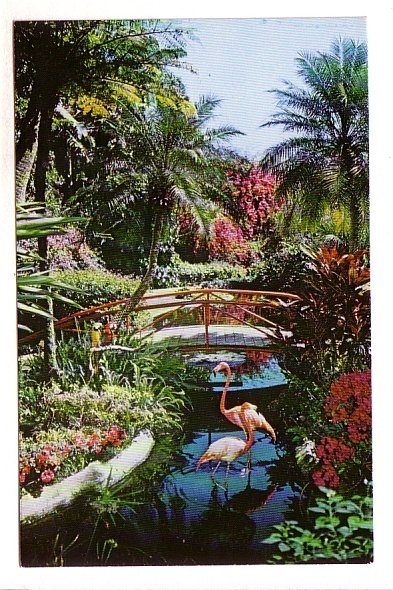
(186, 516)
(195, 519)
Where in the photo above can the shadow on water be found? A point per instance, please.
(181, 515)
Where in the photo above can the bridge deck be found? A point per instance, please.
(229, 337)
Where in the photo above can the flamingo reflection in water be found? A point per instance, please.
(251, 417)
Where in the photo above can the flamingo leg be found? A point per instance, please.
(226, 477)
(249, 461)
(216, 467)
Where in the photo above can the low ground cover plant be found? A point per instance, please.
(339, 530)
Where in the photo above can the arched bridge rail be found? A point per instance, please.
(242, 306)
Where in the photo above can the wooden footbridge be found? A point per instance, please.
(190, 319)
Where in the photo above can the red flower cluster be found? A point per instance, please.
(45, 463)
(47, 476)
(326, 476)
(349, 403)
(114, 437)
(331, 452)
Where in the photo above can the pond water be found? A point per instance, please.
(189, 518)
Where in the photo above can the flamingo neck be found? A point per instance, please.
(225, 390)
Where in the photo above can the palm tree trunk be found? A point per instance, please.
(23, 169)
(26, 148)
(158, 227)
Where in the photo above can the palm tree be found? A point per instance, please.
(67, 58)
(164, 158)
(324, 165)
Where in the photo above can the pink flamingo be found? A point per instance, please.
(227, 449)
(252, 418)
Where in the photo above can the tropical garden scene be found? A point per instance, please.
(194, 348)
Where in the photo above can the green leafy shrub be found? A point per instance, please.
(142, 404)
(340, 532)
(280, 268)
(208, 274)
(96, 287)
(117, 367)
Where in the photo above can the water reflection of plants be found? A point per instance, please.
(219, 528)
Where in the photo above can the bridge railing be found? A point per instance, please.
(178, 304)
(210, 300)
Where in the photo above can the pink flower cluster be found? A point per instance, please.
(228, 242)
(69, 251)
(254, 190)
(43, 465)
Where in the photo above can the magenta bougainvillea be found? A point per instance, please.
(228, 242)
(254, 191)
(251, 199)
(348, 406)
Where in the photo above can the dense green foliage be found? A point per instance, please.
(95, 287)
(209, 274)
(340, 532)
(159, 158)
(35, 288)
(280, 266)
(332, 321)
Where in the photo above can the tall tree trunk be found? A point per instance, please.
(26, 148)
(23, 169)
(158, 227)
(51, 368)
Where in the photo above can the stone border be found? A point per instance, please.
(61, 494)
